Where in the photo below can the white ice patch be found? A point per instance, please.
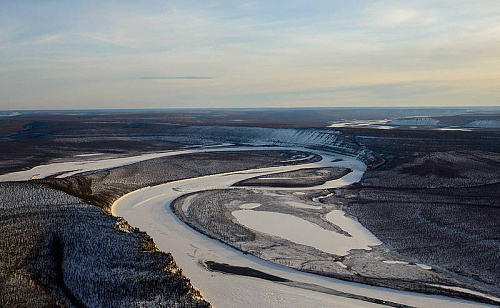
(419, 121)
(298, 159)
(358, 123)
(249, 206)
(459, 289)
(13, 114)
(455, 129)
(303, 232)
(87, 155)
(318, 199)
(362, 236)
(424, 266)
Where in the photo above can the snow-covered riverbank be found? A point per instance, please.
(92, 163)
(149, 210)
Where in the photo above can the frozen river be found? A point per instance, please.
(149, 210)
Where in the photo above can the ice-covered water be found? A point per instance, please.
(249, 206)
(148, 209)
(190, 247)
(303, 232)
(361, 237)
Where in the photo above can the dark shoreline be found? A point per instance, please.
(250, 272)
(263, 181)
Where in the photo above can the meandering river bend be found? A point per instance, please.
(149, 210)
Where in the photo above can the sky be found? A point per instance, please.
(243, 54)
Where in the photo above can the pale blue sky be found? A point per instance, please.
(161, 54)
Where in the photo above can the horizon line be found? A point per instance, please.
(250, 108)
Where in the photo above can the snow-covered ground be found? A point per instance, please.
(149, 210)
(73, 167)
(360, 123)
(69, 168)
(302, 205)
(485, 124)
(12, 114)
(416, 121)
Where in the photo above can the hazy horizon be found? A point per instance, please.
(60, 55)
(458, 108)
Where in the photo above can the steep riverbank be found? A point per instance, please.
(61, 251)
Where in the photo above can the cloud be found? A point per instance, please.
(381, 90)
(393, 16)
(177, 77)
(45, 39)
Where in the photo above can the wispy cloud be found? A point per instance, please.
(389, 15)
(383, 90)
(45, 39)
(177, 77)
